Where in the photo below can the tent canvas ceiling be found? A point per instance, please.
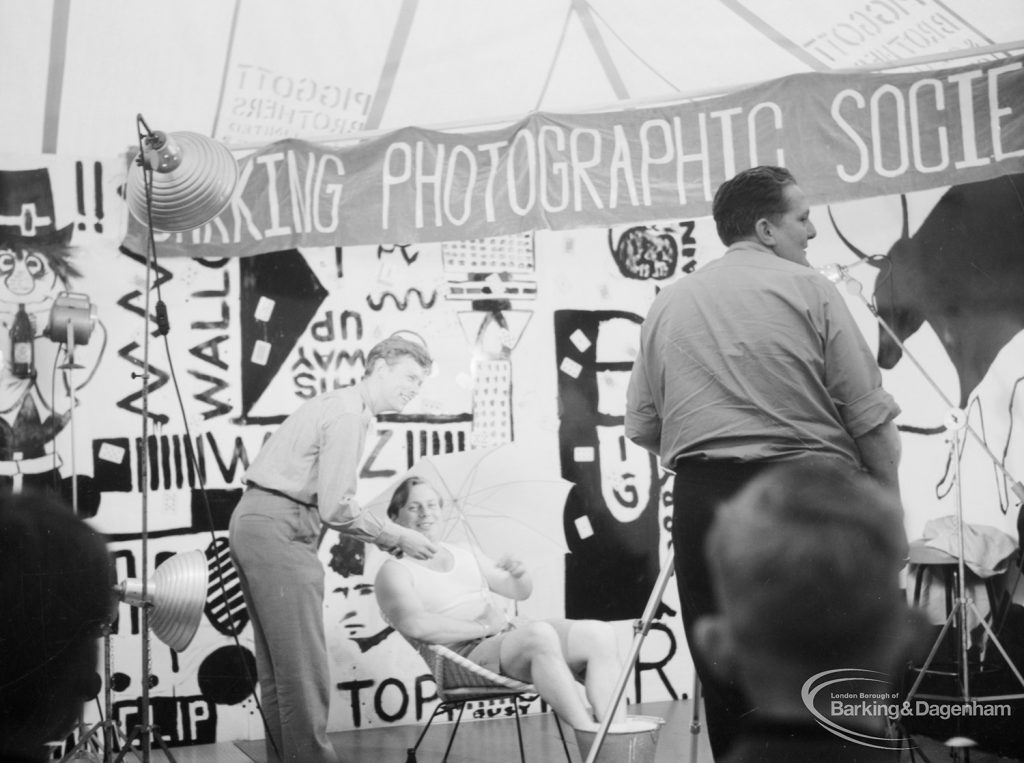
(79, 72)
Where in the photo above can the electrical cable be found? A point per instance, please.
(190, 452)
(54, 479)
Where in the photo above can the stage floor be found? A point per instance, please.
(494, 741)
(477, 742)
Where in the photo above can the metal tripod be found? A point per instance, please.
(963, 607)
(641, 628)
(956, 421)
(107, 726)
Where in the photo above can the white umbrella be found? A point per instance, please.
(502, 499)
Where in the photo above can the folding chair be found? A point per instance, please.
(490, 686)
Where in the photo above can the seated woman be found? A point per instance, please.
(447, 600)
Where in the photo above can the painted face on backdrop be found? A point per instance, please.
(26, 276)
(794, 228)
(350, 605)
(360, 602)
(397, 383)
(422, 511)
(31, 278)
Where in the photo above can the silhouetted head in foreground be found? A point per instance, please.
(805, 563)
(56, 592)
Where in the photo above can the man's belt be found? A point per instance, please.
(279, 494)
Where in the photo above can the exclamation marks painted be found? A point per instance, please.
(80, 194)
(97, 179)
(83, 192)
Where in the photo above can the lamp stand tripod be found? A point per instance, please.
(956, 421)
(78, 323)
(107, 726)
(963, 606)
(641, 628)
(144, 730)
(176, 594)
(197, 178)
(68, 368)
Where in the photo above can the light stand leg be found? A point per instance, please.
(956, 421)
(68, 368)
(964, 606)
(934, 650)
(107, 725)
(69, 382)
(640, 630)
(959, 613)
(145, 734)
(954, 424)
(695, 723)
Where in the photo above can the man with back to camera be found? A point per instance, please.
(752, 360)
(304, 478)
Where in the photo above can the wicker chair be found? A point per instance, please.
(491, 686)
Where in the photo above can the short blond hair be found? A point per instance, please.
(395, 348)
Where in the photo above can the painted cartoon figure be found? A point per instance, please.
(35, 396)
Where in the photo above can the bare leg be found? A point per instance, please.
(533, 653)
(591, 651)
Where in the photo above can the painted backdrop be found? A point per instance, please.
(534, 334)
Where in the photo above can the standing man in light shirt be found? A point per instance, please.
(304, 478)
(751, 361)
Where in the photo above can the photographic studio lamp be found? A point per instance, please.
(71, 323)
(176, 182)
(72, 319)
(174, 598)
(181, 180)
(176, 593)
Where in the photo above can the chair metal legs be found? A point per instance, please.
(411, 753)
(519, 733)
(461, 704)
(455, 729)
(561, 735)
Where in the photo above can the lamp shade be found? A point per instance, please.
(177, 594)
(193, 179)
(72, 316)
